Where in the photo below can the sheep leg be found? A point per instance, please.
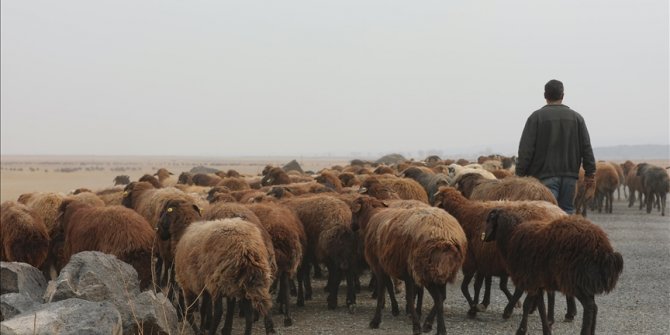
(410, 287)
(528, 305)
(334, 279)
(283, 297)
(308, 283)
(293, 289)
(551, 299)
(546, 326)
(512, 302)
(467, 277)
(205, 311)
(590, 311)
(419, 299)
(269, 325)
(318, 274)
(216, 314)
(351, 291)
(479, 280)
(503, 287)
(301, 287)
(572, 308)
(394, 303)
(248, 316)
(230, 311)
(428, 323)
(487, 294)
(438, 298)
(381, 295)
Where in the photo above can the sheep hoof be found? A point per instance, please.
(288, 322)
(395, 311)
(481, 307)
(507, 313)
(518, 304)
(301, 303)
(427, 327)
(352, 309)
(332, 304)
(374, 324)
(569, 318)
(521, 331)
(472, 312)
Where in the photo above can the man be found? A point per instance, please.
(554, 143)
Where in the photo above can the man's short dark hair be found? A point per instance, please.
(553, 90)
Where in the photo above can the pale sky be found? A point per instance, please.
(255, 78)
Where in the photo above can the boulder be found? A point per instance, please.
(22, 278)
(156, 315)
(292, 166)
(71, 316)
(12, 304)
(391, 159)
(203, 169)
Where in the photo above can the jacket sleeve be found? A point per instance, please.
(588, 160)
(527, 146)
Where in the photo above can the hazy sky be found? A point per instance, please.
(230, 78)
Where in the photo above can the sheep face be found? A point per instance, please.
(174, 214)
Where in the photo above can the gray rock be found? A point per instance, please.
(22, 278)
(156, 315)
(292, 166)
(71, 316)
(391, 159)
(12, 304)
(95, 276)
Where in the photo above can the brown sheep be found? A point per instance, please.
(275, 176)
(513, 188)
(607, 181)
(111, 196)
(225, 258)
(121, 180)
(467, 183)
(429, 180)
(23, 234)
(502, 173)
(383, 169)
(151, 180)
(289, 240)
(583, 195)
(44, 204)
(348, 179)
(330, 240)
(423, 246)
(405, 188)
(656, 184)
(164, 177)
(205, 179)
(569, 254)
(330, 180)
(88, 198)
(113, 230)
(622, 179)
(485, 259)
(234, 183)
(634, 184)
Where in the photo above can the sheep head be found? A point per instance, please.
(362, 210)
(175, 216)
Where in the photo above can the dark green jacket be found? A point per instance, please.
(554, 143)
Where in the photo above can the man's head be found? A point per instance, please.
(553, 90)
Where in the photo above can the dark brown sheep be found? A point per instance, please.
(655, 185)
(205, 179)
(23, 235)
(485, 259)
(151, 180)
(121, 180)
(113, 230)
(275, 176)
(348, 179)
(185, 178)
(569, 254)
(330, 180)
(234, 183)
(330, 241)
(430, 181)
(467, 182)
(423, 246)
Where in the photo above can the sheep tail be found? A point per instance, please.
(442, 263)
(254, 278)
(612, 268)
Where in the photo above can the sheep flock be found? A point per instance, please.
(226, 242)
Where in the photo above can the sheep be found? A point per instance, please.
(329, 180)
(349, 179)
(484, 259)
(607, 181)
(634, 183)
(225, 258)
(121, 180)
(513, 188)
(289, 240)
(423, 246)
(429, 181)
(383, 169)
(655, 183)
(113, 230)
(622, 179)
(330, 240)
(229, 174)
(111, 196)
(502, 173)
(569, 254)
(44, 204)
(467, 182)
(88, 198)
(205, 179)
(23, 234)
(151, 180)
(275, 176)
(164, 177)
(583, 195)
(405, 188)
(455, 171)
(234, 183)
(185, 178)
